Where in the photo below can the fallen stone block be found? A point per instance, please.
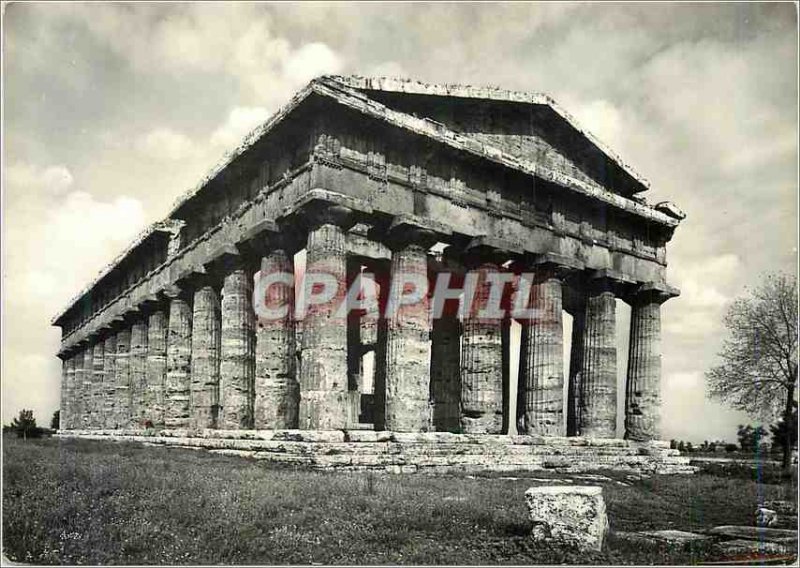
(741, 549)
(766, 517)
(763, 534)
(568, 516)
(782, 507)
(668, 537)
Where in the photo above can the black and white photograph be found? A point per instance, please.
(399, 283)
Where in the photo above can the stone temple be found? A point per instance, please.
(383, 175)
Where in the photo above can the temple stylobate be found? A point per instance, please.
(381, 177)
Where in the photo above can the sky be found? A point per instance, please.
(111, 111)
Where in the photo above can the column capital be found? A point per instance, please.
(268, 235)
(658, 292)
(609, 280)
(553, 265)
(322, 207)
(411, 229)
(492, 250)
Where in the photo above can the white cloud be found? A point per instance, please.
(311, 60)
(240, 121)
(53, 179)
(601, 118)
(165, 144)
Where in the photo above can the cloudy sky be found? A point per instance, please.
(113, 110)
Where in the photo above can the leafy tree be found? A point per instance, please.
(750, 438)
(56, 420)
(681, 446)
(689, 447)
(25, 424)
(758, 369)
(784, 434)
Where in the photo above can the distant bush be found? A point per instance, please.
(731, 447)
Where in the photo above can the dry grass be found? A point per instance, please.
(85, 502)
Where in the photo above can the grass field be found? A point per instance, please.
(88, 502)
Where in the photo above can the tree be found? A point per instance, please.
(758, 369)
(784, 434)
(56, 420)
(750, 438)
(24, 424)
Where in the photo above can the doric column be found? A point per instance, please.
(323, 374)
(482, 389)
(65, 388)
(237, 357)
(599, 371)
(446, 373)
(408, 348)
(574, 387)
(138, 372)
(277, 392)
(179, 350)
(122, 395)
(643, 386)
(77, 406)
(205, 357)
(110, 385)
(88, 388)
(98, 387)
(157, 327)
(542, 358)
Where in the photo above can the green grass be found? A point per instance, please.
(87, 502)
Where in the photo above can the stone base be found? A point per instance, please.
(405, 453)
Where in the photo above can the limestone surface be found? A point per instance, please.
(205, 358)
(599, 371)
(572, 516)
(408, 406)
(237, 349)
(482, 363)
(324, 399)
(179, 350)
(277, 392)
(643, 391)
(156, 368)
(542, 362)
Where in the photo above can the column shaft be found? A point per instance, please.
(157, 328)
(76, 418)
(122, 395)
(482, 364)
(542, 361)
(408, 350)
(205, 358)
(324, 396)
(98, 387)
(237, 358)
(574, 388)
(277, 392)
(138, 372)
(64, 403)
(87, 389)
(110, 385)
(643, 388)
(599, 374)
(179, 350)
(446, 373)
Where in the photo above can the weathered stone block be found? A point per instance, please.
(766, 517)
(568, 516)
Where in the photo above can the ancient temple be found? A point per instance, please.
(382, 176)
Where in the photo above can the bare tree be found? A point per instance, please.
(758, 372)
